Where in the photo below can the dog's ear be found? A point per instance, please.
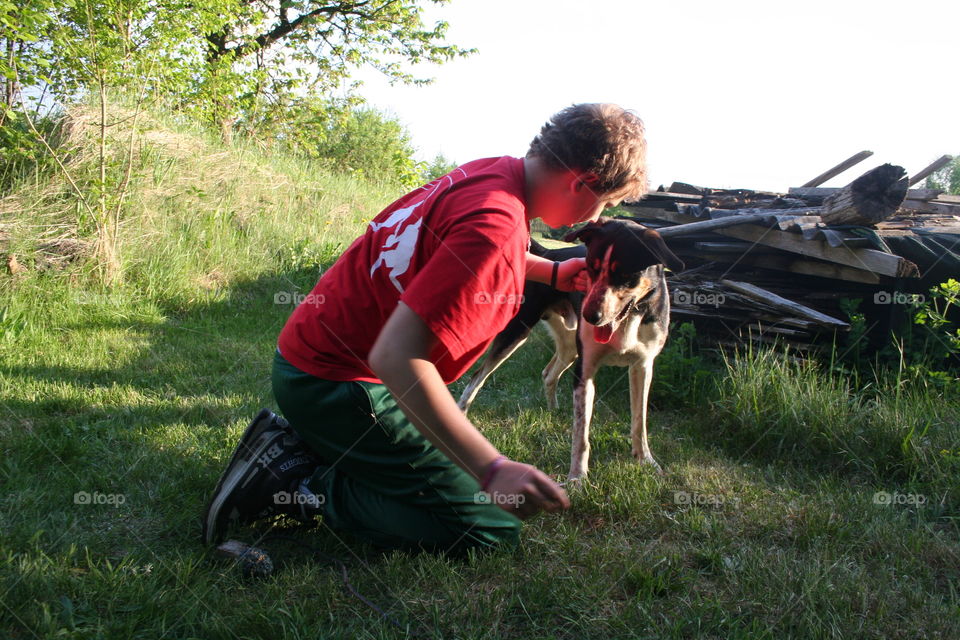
(658, 248)
(587, 232)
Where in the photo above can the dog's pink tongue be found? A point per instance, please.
(603, 334)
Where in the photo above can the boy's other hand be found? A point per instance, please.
(572, 275)
(523, 490)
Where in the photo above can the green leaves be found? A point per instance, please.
(947, 178)
(226, 60)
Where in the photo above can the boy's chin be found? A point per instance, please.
(559, 223)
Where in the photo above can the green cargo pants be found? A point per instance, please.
(381, 480)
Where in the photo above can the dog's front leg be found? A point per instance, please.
(583, 396)
(641, 375)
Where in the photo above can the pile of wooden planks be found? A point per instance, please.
(765, 266)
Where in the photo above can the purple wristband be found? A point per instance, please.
(553, 276)
(492, 471)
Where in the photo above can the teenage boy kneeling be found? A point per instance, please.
(373, 441)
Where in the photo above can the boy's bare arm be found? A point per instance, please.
(399, 359)
(570, 273)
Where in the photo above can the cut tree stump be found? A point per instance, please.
(871, 198)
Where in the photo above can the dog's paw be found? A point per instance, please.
(649, 461)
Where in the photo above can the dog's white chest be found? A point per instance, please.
(633, 341)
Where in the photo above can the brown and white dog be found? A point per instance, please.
(623, 320)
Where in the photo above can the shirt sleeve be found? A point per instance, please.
(460, 291)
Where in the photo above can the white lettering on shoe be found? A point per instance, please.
(295, 462)
(271, 454)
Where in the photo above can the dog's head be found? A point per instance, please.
(625, 263)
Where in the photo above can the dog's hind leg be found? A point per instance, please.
(641, 375)
(502, 348)
(565, 353)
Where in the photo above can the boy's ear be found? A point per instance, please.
(587, 232)
(586, 179)
(659, 249)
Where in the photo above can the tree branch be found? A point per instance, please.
(286, 27)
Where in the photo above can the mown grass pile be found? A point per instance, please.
(799, 500)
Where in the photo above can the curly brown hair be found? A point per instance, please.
(604, 139)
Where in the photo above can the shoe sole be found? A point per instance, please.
(250, 447)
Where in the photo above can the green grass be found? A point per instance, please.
(765, 524)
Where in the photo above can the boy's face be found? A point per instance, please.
(570, 200)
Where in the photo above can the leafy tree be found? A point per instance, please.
(438, 167)
(22, 62)
(230, 60)
(264, 53)
(76, 48)
(349, 137)
(947, 178)
(263, 66)
(366, 143)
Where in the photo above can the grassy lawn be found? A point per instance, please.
(798, 501)
(138, 405)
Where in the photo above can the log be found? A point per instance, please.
(709, 225)
(789, 306)
(871, 198)
(840, 168)
(657, 196)
(936, 165)
(822, 192)
(687, 189)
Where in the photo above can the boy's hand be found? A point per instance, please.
(523, 490)
(572, 275)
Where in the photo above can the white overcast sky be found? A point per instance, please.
(734, 93)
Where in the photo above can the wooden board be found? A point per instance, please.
(840, 168)
(931, 207)
(801, 266)
(878, 262)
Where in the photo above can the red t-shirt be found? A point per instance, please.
(454, 251)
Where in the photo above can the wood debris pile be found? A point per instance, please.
(768, 266)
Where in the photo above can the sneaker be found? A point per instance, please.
(262, 478)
